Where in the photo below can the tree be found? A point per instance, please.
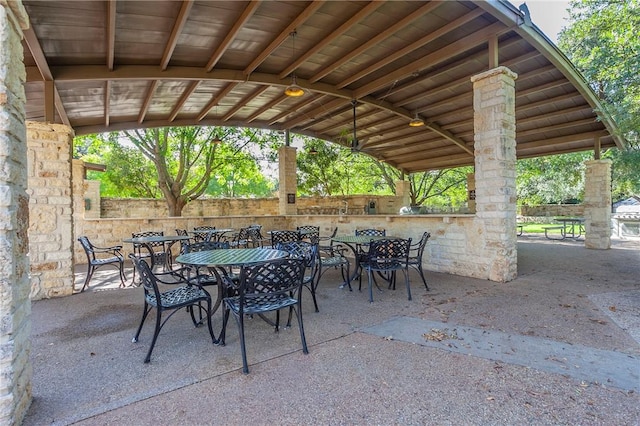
(603, 41)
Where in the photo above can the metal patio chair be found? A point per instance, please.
(184, 294)
(416, 251)
(102, 256)
(386, 257)
(263, 288)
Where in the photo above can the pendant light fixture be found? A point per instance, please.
(416, 122)
(293, 89)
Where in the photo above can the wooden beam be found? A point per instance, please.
(147, 100)
(183, 99)
(306, 14)
(493, 52)
(49, 101)
(232, 33)
(107, 102)
(434, 35)
(386, 33)
(361, 14)
(244, 102)
(453, 49)
(111, 33)
(216, 99)
(178, 25)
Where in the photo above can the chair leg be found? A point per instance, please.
(245, 364)
(209, 325)
(88, 278)
(123, 277)
(145, 312)
(155, 335)
(370, 286)
(421, 272)
(406, 281)
(225, 319)
(298, 310)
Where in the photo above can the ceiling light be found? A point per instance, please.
(416, 122)
(216, 140)
(313, 151)
(293, 89)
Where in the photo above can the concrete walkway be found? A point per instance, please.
(558, 345)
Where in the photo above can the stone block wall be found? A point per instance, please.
(211, 207)
(15, 306)
(597, 204)
(50, 209)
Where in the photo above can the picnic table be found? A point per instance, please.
(570, 227)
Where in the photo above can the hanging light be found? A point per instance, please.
(416, 122)
(293, 89)
(216, 140)
(313, 151)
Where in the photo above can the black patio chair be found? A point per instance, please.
(102, 256)
(333, 256)
(308, 252)
(204, 235)
(183, 295)
(254, 237)
(284, 237)
(156, 252)
(205, 278)
(361, 252)
(264, 288)
(416, 251)
(386, 257)
(309, 233)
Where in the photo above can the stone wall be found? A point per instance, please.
(210, 207)
(15, 306)
(552, 210)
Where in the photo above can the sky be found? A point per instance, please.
(548, 15)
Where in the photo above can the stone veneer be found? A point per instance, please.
(495, 169)
(288, 179)
(15, 306)
(51, 236)
(597, 204)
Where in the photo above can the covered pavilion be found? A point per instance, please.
(419, 85)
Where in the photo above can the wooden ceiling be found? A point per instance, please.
(111, 65)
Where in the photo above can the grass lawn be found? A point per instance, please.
(536, 228)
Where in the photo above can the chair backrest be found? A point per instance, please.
(88, 248)
(304, 250)
(391, 250)
(147, 280)
(309, 232)
(203, 236)
(371, 232)
(417, 250)
(205, 245)
(284, 237)
(254, 236)
(263, 285)
(182, 232)
(148, 234)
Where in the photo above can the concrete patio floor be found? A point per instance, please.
(558, 345)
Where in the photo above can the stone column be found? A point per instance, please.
(15, 306)
(597, 204)
(288, 180)
(495, 169)
(403, 194)
(50, 209)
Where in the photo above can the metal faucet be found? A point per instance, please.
(345, 209)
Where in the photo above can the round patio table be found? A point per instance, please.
(220, 260)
